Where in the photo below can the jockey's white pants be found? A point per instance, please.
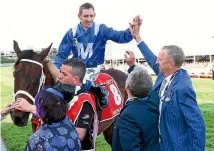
(91, 74)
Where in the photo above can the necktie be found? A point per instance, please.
(161, 94)
(162, 88)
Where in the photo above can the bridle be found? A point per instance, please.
(41, 84)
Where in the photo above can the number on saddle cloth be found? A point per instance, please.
(115, 102)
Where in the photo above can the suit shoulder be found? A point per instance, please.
(135, 108)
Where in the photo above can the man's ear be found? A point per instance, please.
(79, 16)
(76, 79)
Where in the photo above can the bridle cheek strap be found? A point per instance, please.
(41, 82)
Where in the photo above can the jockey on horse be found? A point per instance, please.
(86, 41)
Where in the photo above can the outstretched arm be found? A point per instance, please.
(6, 111)
(123, 36)
(147, 53)
(54, 71)
(64, 49)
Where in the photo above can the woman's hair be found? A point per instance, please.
(50, 107)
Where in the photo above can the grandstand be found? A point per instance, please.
(198, 64)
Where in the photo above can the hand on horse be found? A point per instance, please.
(7, 110)
(23, 105)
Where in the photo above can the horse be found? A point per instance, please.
(31, 74)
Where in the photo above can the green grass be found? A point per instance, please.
(6, 60)
(16, 137)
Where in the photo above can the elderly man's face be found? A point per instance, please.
(163, 61)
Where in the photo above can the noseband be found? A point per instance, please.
(41, 84)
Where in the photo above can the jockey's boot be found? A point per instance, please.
(100, 93)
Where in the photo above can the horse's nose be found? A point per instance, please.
(19, 119)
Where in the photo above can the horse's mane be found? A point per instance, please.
(25, 54)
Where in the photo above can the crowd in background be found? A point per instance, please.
(197, 68)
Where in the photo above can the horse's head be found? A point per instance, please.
(29, 78)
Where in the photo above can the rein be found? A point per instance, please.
(41, 84)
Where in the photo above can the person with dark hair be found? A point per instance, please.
(73, 72)
(137, 126)
(86, 41)
(181, 125)
(57, 131)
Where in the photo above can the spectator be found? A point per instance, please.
(6, 111)
(181, 126)
(137, 126)
(57, 132)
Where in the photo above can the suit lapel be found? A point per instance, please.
(169, 94)
(158, 82)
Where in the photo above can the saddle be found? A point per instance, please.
(100, 93)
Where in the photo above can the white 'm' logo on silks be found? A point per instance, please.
(87, 53)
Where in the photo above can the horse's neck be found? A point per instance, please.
(49, 82)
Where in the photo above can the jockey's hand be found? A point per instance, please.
(138, 20)
(130, 58)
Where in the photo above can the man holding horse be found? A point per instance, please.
(87, 41)
(83, 113)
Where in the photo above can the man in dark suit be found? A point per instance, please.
(181, 126)
(137, 127)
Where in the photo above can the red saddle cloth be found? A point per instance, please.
(115, 100)
(115, 97)
(76, 107)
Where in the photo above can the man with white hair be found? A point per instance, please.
(181, 125)
(137, 126)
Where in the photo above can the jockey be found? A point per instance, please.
(86, 41)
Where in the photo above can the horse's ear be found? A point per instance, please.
(45, 52)
(16, 48)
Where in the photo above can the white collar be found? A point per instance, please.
(131, 99)
(168, 78)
